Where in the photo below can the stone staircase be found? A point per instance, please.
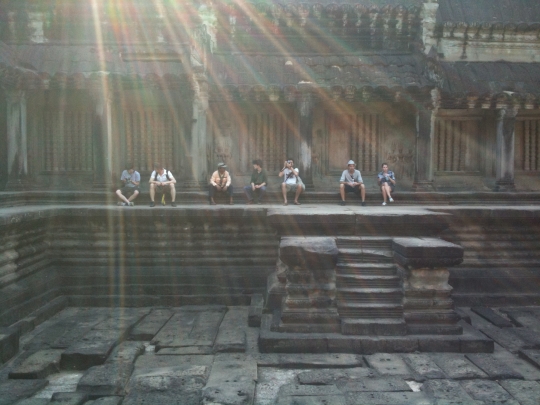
(369, 292)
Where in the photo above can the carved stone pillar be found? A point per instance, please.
(102, 139)
(196, 160)
(504, 169)
(305, 104)
(17, 153)
(425, 127)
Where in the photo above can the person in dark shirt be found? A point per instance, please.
(258, 183)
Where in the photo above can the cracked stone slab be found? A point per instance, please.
(525, 392)
(181, 351)
(513, 362)
(92, 350)
(486, 390)
(507, 338)
(231, 337)
(532, 356)
(177, 328)
(167, 385)
(307, 400)
(123, 318)
(38, 365)
(445, 389)
(308, 360)
(523, 318)
(126, 353)
(69, 398)
(457, 367)
(387, 384)
(531, 337)
(423, 366)
(491, 316)
(386, 398)
(199, 365)
(105, 380)
(493, 367)
(12, 391)
(231, 382)
(308, 390)
(333, 376)
(151, 325)
(388, 364)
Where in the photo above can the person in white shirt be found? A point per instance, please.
(351, 182)
(291, 181)
(131, 179)
(161, 181)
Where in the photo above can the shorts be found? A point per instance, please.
(292, 187)
(128, 191)
(349, 189)
(163, 189)
(392, 186)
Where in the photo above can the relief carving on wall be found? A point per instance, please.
(401, 160)
(223, 143)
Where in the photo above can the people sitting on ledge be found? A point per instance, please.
(257, 186)
(387, 182)
(351, 182)
(161, 182)
(130, 186)
(291, 181)
(220, 182)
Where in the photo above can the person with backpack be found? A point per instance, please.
(162, 181)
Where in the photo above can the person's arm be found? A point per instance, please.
(282, 171)
(152, 177)
(360, 181)
(342, 180)
(264, 180)
(392, 178)
(136, 182)
(229, 180)
(172, 180)
(295, 171)
(212, 181)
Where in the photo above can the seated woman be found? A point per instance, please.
(387, 182)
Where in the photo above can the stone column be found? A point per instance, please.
(310, 290)
(196, 160)
(425, 132)
(504, 169)
(17, 153)
(305, 104)
(428, 306)
(102, 139)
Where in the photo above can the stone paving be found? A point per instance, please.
(209, 355)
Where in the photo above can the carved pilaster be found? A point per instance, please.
(504, 170)
(305, 103)
(102, 138)
(196, 162)
(425, 130)
(17, 155)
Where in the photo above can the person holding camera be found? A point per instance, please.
(130, 186)
(351, 182)
(291, 181)
(387, 182)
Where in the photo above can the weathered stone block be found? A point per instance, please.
(491, 316)
(307, 400)
(445, 389)
(493, 367)
(313, 253)
(376, 385)
(457, 367)
(426, 248)
(150, 325)
(388, 364)
(255, 310)
(69, 398)
(38, 365)
(308, 390)
(232, 335)
(107, 379)
(9, 343)
(12, 391)
(335, 376)
(525, 392)
(423, 366)
(385, 398)
(485, 390)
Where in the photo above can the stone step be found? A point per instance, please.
(502, 254)
(171, 260)
(489, 244)
(362, 281)
(369, 295)
(375, 269)
(374, 327)
(371, 310)
(497, 263)
(371, 252)
(374, 242)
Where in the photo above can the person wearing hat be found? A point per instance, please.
(221, 181)
(351, 182)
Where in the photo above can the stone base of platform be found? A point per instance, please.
(471, 341)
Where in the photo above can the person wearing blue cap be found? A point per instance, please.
(351, 182)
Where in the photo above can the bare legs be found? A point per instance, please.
(386, 190)
(126, 200)
(342, 191)
(299, 190)
(153, 191)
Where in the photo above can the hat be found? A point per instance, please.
(351, 162)
(221, 165)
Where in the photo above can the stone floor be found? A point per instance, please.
(209, 355)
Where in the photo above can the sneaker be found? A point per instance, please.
(342, 203)
(152, 204)
(383, 203)
(119, 203)
(131, 204)
(391, 199)
(363, 203)
(173, 204)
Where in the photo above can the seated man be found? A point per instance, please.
(291, 181)
(130, 186)
(161, 181)
(351, 182)
(258, 182)
(220, 181)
